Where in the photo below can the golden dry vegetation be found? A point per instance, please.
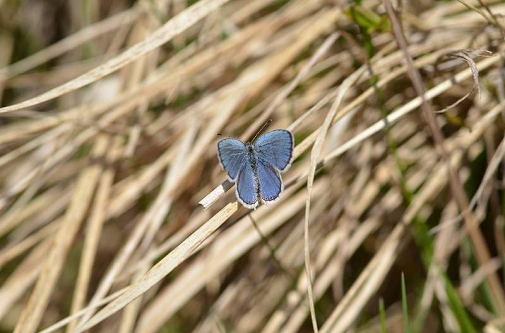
(115, 215)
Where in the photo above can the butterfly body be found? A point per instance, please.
(256, 167)
(253, 161)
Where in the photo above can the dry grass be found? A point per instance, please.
(115, 215)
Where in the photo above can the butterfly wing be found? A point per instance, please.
(276, 149)
(270, 182)
(247, 193)
(232, 156)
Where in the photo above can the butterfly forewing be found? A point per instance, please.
(270, 182)
(232, 156)
(275, 148)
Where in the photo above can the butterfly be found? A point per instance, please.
(256, 167)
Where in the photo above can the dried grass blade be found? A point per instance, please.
(175, 26)
(65, 321)
(236, 240)
(22, 278)
(314, 157)
(32, 313)
(292, 85)
(366, 284)
(69, 43)
(164, 266)
(94, 227)
(478, 242)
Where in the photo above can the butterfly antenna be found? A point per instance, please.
(261, 129)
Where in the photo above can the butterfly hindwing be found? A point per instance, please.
(276, 148)
(270, 182)
(246, 190)
(232, 156)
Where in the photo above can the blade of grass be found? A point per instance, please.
(382, 316)
(478, 241)
(94, 227)
(82, 36)
(33, 312)
(163, 267)
(316, 151)
(405, 307)
(172, 28)
(458, 309)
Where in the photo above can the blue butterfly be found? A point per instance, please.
(256, 167)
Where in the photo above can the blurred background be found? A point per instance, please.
(115, 215)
